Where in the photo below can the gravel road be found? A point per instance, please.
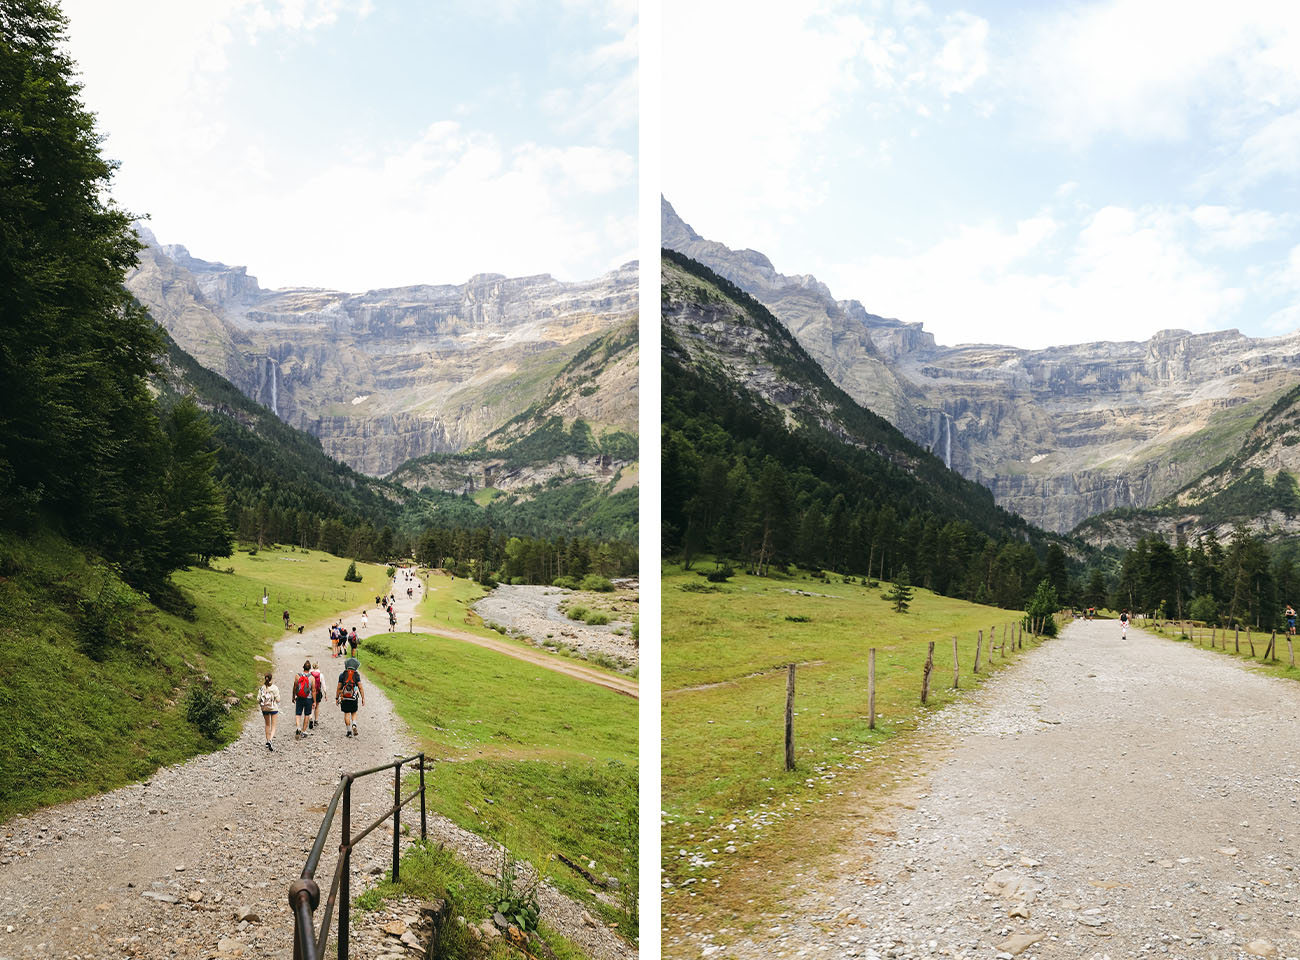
(159, 869)
(1102, 798)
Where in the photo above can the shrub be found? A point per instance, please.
(107, 619)
(576, 613)
(1204, 608)
(693, 587)
(596, 583)
(568, 583)
(352, 576)
(721, 575)
(205, 710)
(597, 618)
(390, 572)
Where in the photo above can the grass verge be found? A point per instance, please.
(725, 651)
(532, 759)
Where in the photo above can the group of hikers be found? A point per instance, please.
(308, 692)
(309, 684)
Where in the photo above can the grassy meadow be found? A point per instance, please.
(528, 757)
(105, 675)
(726, 796)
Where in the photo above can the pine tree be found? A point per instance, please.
(901, 595)
(352, 576)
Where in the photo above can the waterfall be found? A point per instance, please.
(947, 441)
(275, 367)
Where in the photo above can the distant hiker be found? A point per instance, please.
(286, 619)
(392, 621)
(268, 698)
(352, 642)
(1290, 620)
(1123, 625)
(365, 621)
(377, 601)
(302, 700)
(318, 693)
(348, 692)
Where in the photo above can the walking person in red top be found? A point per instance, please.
(302, 700)
(318, 693)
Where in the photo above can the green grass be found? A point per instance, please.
(485, 495)
(1231, 644)
(430, 871)
(447, 601)
(91, 723)
(724, 680)
(533, 759)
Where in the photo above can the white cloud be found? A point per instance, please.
(756, 104)
(1153, 71)
(1118, 274)
(436, 199)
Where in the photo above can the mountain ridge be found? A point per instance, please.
(1058, 434)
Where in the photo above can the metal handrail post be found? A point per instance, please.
(345, 852)
(397, 819)
(423, 828)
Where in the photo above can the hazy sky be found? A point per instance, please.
(1021, 173)
(365, 143)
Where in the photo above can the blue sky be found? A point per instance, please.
(366, 143)
(1017, 173)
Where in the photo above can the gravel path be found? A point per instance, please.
(1109, 798)
(159, 869)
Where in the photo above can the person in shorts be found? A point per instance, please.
(1123, 625)
(318, 693)
(302, 701)
(348, 693)
(268, 698)
(1290, 620)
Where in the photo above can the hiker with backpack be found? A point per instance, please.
(302, 700)
(318, 693)
(348, 692)
(268, 698)
(352, 642)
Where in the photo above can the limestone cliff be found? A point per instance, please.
(1058, 434)
(387, 375)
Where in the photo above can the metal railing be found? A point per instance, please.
(304, 894)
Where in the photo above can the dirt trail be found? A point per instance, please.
(234, 826)
(1112, 798)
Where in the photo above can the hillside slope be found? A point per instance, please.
(1254, 488)
(1058, 434)
(760, 445)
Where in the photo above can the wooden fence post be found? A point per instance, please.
(1004, 641)
(1236, 639)
(925, 674)
(979, 643)
(1272, 642)
(789, 719)
(1214, 631)
(956, 667)
(1250, 641)
(871, 688)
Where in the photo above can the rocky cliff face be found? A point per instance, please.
(1058, 434)
(385, 375)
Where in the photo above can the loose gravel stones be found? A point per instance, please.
(1155, 817)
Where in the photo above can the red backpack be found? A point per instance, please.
(302, 686)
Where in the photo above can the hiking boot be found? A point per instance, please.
(268, 744)
(354, 730)
(349, 733)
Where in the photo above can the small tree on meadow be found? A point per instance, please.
(352, 576)
(901, 595)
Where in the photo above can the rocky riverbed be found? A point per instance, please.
(534, 612)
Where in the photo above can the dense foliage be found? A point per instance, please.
(742, 484)
(83, 446)
(489, 556)
(1240, 583)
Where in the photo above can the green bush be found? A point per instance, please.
(576, 613)
(1205, 609)
(568, 583)
(597, 618)
(391, 571)
(352, 576)
(107, 619)
(205, 710)
(596, 583)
